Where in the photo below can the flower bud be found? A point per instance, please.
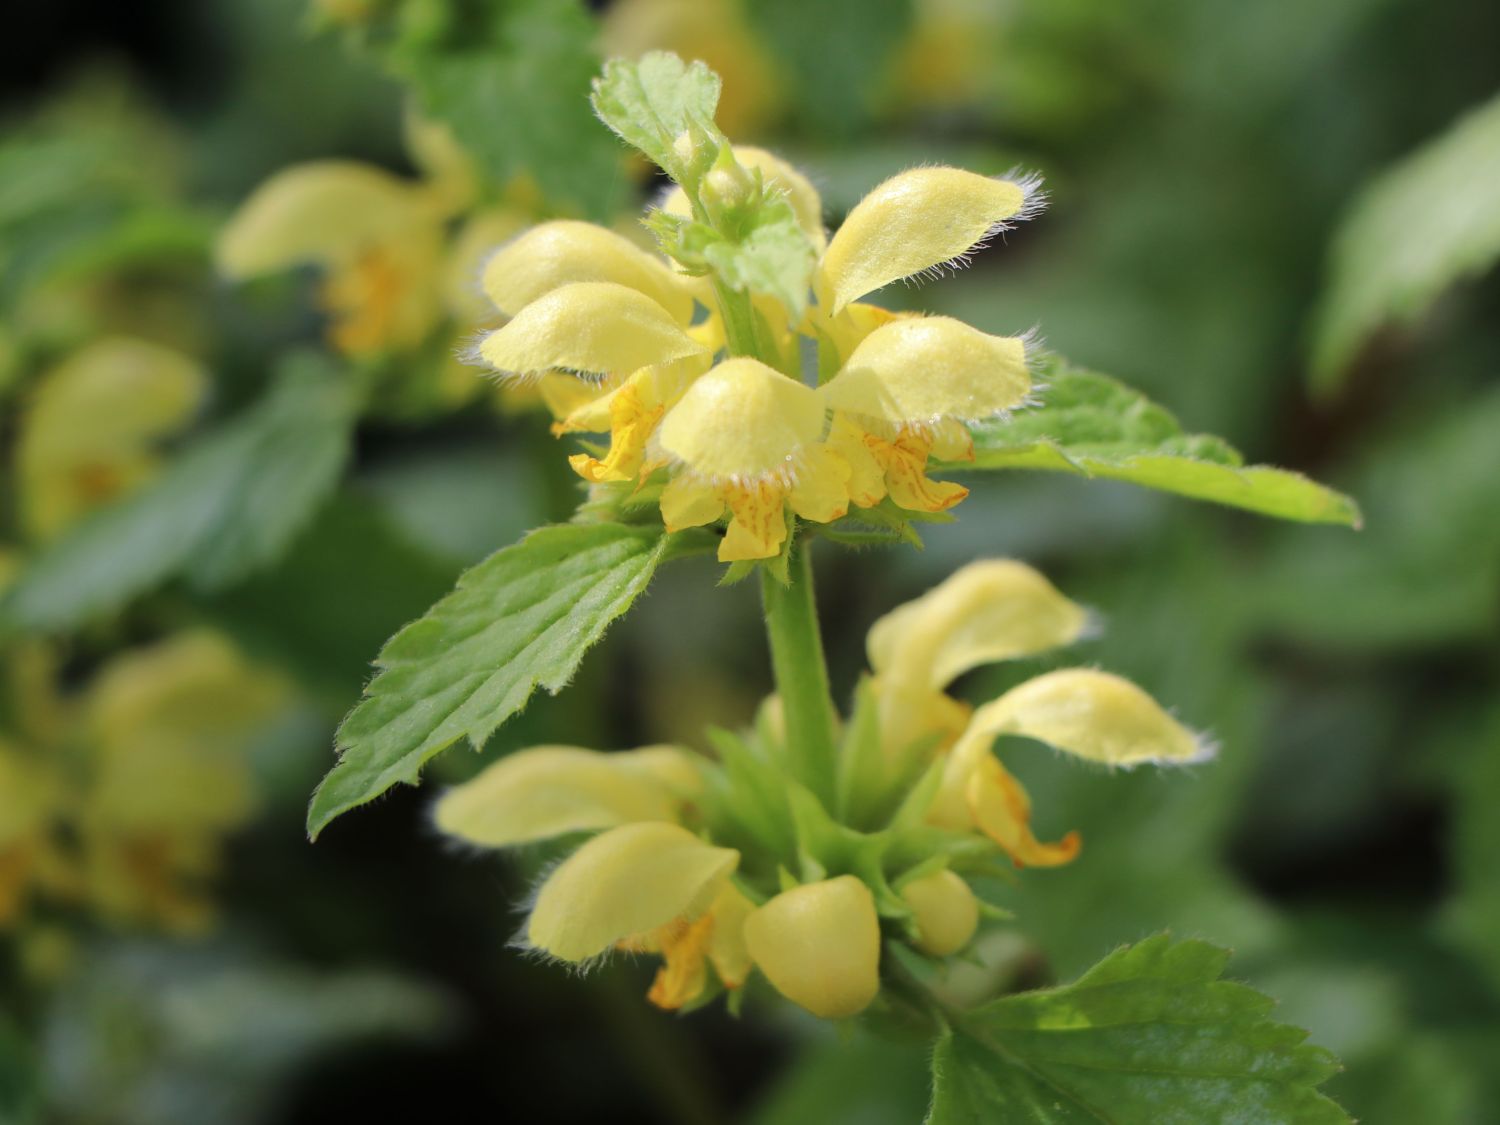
(819, 944)
(947, 914)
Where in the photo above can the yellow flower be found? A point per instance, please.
(378, 239)
(157, 743)
(819, 944)
(29, 797)
(90, 429)
(1000, 610)
(168, 726)
(747, 440)
(988, 611)
(645, 885)
(553, 790)
(1089, 714)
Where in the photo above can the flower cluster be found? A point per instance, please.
(397, 256)
(728, 866)
(748, 438)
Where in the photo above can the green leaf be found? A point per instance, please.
(651, 101)
(20, 1078)
(520, 620)
(1430, 221)
(512, 82)
(1095, 426)
(222, 509)
(1150, 1034)
(773, 256)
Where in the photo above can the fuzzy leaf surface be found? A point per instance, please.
(1150, 1034)
(1094, 426)
(519, 620)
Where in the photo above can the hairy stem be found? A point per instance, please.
(801, 674)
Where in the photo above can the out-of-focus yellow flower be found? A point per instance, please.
(819, 944)
(378, 239)
(90, 431)
(157, 777)
(741, 438)
(29, 796)
(168, 727)
(950, 53)
(714, 31)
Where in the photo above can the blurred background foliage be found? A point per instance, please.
(1277, 219)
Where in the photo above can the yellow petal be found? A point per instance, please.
(819, 945)
(1002, 811)
(686, 502)
(466, 257)
(916, 221)
(591, 326)
(902, 457)
(626, 882)
(170, 725)
(323, 213)
(727, 948)
(574, 401)
(866, 476)
(548, 791)
(388, 295)
(991, 610)
(926, 369)
(821, 491)
(1093, 715)
(559, 253)
(742, 421)
(758, 527)
(91, 425)
(1090, 714)
(451, 179)
(947, 913)
(688, 947)
(634, 409)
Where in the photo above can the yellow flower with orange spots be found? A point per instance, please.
(723, 867)
(746, 438)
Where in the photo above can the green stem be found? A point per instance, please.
(739, 320)
(801, 674)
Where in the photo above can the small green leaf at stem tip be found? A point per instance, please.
(519, 620)
(226, 506)
(1149, 1036)
(1094, 426)
(652, 101)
